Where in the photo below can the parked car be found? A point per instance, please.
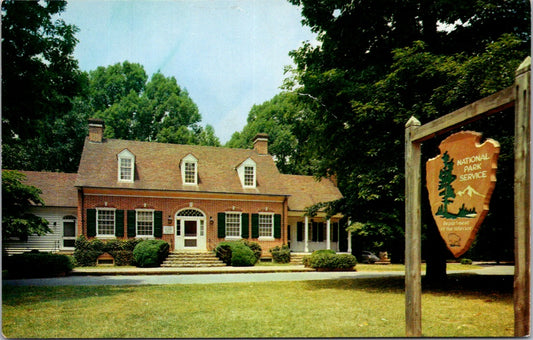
(368, 257)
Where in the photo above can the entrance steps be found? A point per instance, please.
(190, 259)
(296, 258)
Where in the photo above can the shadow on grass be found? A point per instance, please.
(27, 295)
(464, 284)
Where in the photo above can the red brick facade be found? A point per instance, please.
(171, 203)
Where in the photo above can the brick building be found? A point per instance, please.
(197, 196)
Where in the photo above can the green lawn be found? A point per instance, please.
(472, 306)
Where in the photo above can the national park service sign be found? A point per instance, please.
(460, 182)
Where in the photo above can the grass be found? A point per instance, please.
(473, 305)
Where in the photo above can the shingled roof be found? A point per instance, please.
(57, 188)
(157, 167)
(306, 191)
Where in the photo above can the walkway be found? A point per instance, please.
(250, 276)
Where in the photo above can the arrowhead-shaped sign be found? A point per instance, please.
(460, 182)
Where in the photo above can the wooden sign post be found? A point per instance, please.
(460, 182)
(519, 97)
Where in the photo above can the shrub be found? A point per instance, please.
(242, 256)
(87, 251)
(150, 253)
(281, 254)
(328, 259)
(35, 264)
(236, 253)
(256, 248)
(223, 252)
(122, 257)
(466, 261)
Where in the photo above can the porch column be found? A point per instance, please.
(328, 234)
(306, 235)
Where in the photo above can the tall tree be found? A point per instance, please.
(136, 108)
(39, 78)
(281, 118)
(377, 64)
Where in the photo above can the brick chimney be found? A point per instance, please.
(96, 130)
(261, 143)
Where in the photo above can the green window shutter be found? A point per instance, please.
(131, 224)
(300, 231)
(221, 225)
(91, 222)
(158, 224)
(119, 223)
(255, 225)
(277, 226)
(245, 225)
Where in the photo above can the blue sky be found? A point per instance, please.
(228, 54)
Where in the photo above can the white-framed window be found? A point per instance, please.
(144, 221)
(266, 225)
(189, 170)
(69, 231)
(126, 166)
(105, 222)
(233, 225)
(190, 173)
(249, 176)
(247, 173)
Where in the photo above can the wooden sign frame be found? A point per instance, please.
(519, 97)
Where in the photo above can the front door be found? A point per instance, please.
(190, 233)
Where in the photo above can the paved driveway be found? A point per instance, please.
(223, 278)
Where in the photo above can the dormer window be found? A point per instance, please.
(189, 170)
(126, 166)
(249, 176)
(247, 173)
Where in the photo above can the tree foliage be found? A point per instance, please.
(17, 198)
(282, 119)
(376, 64)
(40, 77)
(137, 109)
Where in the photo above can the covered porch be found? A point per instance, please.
(307, 234)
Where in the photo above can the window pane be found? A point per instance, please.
(125, 169)
(106, 222)
(233, 225)
(145, 223)
(69, 243)
(265, 225)
(69, 229)
(249, 176)
(190, 172)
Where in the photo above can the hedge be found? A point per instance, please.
(150, 253)
(36, 264)
(281, 254)
(87, 251)
(328, 259)
(238, 253)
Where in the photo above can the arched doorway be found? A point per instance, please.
(190, 230)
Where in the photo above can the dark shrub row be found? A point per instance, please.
(328, 259)
(87, 251)
(150, 253)
(238, 253)
(281, 254)
(35, 264)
